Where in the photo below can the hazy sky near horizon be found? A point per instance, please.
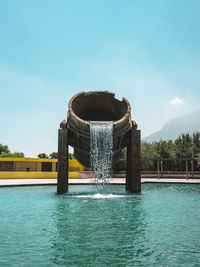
(145, 50)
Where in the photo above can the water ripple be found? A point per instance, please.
(159, 227)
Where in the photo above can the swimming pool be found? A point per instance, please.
(158, 227)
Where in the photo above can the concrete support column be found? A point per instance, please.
(62, 182)
(133, 162)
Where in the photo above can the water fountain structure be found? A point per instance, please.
(99, 106)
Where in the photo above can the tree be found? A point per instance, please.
(10, 155)
(198, 159)
(42, 156)
(184, 146)
(70, 156)
(5, 152)
(196, 149)
(166, 149)
(53, 155)
(4, 149)
(148, 151)
(196, 143)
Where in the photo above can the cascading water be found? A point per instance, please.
(101, 142)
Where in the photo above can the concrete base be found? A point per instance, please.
(116, 181)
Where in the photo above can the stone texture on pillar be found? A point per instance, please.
(133, 162)
(62, 183)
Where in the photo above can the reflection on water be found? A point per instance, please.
(99, 228)
(159, 227)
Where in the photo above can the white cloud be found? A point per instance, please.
(176, 101)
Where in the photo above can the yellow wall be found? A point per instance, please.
(35, 165)
(34, 175)
(28, 159)
(53, 166)
(75, 163)
(21, 164)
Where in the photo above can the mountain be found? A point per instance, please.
(172, 129)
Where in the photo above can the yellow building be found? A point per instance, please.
(12, 168)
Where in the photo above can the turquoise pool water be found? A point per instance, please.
(159, 227)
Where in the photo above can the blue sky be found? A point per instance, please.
(147, 51)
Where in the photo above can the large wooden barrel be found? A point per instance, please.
(96, 106)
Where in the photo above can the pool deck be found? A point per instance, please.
(117, 181)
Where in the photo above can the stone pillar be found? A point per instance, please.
(133, 162)
(62, 182)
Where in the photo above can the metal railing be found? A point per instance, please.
(160, 173)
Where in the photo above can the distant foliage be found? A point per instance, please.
(4, 149)
(42, 156)
(185, 146)
(10, 155)
(198, 159)
(5, 152)
(148, 150)
(53, 155)
(70, 156)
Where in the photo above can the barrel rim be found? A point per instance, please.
(70, 110)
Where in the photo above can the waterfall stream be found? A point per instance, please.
(101, 143)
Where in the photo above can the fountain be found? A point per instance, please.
(85, 109)
(88, 228)
(101, 141)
